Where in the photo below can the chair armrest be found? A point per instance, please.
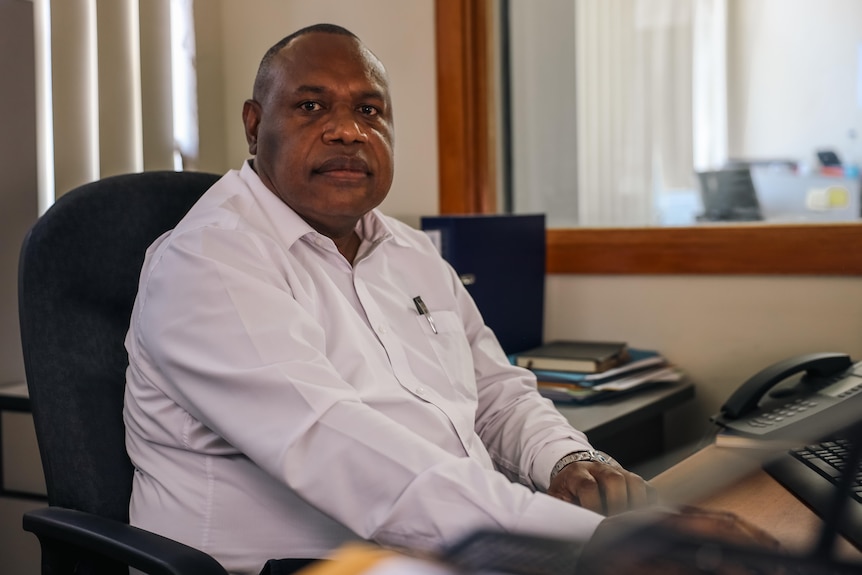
(130, 545)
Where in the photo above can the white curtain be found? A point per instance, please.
(106, 90)
(634, 100)
(710, 84)
(638, 127)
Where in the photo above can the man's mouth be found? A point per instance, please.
(346, 167)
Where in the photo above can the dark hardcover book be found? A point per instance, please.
(639, 360)
(580, 356)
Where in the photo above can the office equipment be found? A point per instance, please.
(810, 415)
(728, 195)
(501, 261)
(773, 405)
(814, 472)
(579, 356)
(659, 547)
(78, 276)
(828, 158)
(786, 196)
(515, 553)
(732, 480)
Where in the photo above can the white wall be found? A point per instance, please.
(792, 73)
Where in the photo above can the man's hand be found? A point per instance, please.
(644, 543)
(605, 488)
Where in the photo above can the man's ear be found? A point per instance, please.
(251, 120)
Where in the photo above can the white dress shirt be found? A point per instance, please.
(281, 401)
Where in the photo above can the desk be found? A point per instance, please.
(15, 399)
(732, 480)
(630, 428)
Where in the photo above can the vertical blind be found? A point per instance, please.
(106, 89)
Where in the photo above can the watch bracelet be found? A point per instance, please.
(582, 455)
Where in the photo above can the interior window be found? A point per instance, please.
(616, 113)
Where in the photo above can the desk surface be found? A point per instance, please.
(733, 480)
(14, 396)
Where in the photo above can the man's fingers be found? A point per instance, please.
(588, 494)
(724, 525)
(641, 493)
(602, 488)
(614, 489)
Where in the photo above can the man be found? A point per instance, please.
(284, 395)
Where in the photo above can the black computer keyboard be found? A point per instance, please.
(512, 553)
(812, 474)
(498, 553)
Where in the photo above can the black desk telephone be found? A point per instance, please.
(773, 404)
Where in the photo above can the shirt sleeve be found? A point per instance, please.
(525, 434)
(212, 319)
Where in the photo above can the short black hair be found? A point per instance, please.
(262, 76)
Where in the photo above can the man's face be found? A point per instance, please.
(322, 132)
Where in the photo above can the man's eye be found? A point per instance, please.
(369, 110)
(309, 106)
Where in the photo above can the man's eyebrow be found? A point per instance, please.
(308, 89)
(318, 90)
(372, 95)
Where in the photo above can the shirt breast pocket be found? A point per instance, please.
(452, 349)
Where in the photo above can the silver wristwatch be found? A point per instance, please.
(587, 455)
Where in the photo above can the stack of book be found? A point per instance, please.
(583, 372)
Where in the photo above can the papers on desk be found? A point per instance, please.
(645, 368)
(572, 393)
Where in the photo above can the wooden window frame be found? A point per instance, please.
(466, 186)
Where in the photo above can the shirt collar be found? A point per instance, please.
(373, 227)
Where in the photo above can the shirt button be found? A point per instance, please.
(381, 329)
(420, 391)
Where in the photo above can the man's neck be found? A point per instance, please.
(348, 245)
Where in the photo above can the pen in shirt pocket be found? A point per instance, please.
(423, 310)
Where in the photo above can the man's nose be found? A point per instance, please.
(344, 127)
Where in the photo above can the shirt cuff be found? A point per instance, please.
(549, 456)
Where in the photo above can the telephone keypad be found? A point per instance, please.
(779, 414)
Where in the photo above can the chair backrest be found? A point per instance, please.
(78, 276)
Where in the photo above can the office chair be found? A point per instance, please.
(77, 280)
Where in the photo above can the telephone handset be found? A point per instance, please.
(830, 391)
